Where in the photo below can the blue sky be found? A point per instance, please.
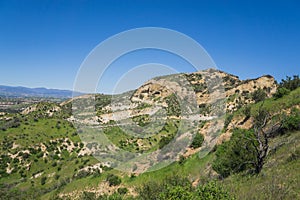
(43, 43)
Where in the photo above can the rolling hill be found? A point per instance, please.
(10, 91)
(118, 146)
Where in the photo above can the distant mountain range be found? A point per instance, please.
(11, 91)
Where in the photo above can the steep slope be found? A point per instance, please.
(46, 151)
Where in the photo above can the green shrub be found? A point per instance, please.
(290, 83)
(164, 141)
(155, 190)
(181, 159)
(43, 180)
(292, 122)
(176, 192)
(88, 196)
(281, 91)
(227, 121)
(259, 95)
(179, 188)
(122, 190)
(141, 120)
(235, 155)
(197, 141)
(82, 174)
(113, 180)
(247, 111)
(212, 190)
(114, 196)
(173, 108)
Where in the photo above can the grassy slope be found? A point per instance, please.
(279, 178)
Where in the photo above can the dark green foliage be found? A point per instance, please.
(13, 123)
(150, 190)
(82, 174)
(212, 190)
(141, 120)
(88, 196)
(114, 196)
(287, 85)
(56, 176)
(193, 77)
(247, 149)
(292, 121)
(164, 141)
(247, 111)
(200, 87)
(173, 108)
(281, 91)
(179, 188)
(290, 83)
(181, 159)
(122, 190)
(227, 121)
(176, 192)
(102, 100)
(143, 105)
(235, 155)
(113, 180)
(43, 180)
(193, 80)
(154, 190)
(259, 95)
(197, 141)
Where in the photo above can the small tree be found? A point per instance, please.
(113, 180)
(281, 91)
(290, 83)
(197, 141)
(263, 128)
(235, 155)
(247, 149)
(287, 85)
(259, 95)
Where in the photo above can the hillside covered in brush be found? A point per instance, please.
(243, 142)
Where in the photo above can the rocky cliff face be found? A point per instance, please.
(197, 101)
(236, 92)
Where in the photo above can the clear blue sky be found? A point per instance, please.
(43, 43)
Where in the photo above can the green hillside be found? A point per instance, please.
(43, 157)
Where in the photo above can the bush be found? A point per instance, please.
(150, 190)
(212, 190)
(235, 155)
(43, 180)
(88, 195)
(227, 121)
(113, 180)
(292, 122)
(197, 141)
(179, 188)
(122, 190)
(114, 196)
(281, 91)
(181, 159)
(290, 83)
(176, 192)
(247, 111)
(164, 141)
(259, 95)
(173, 108)
(82, 174)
